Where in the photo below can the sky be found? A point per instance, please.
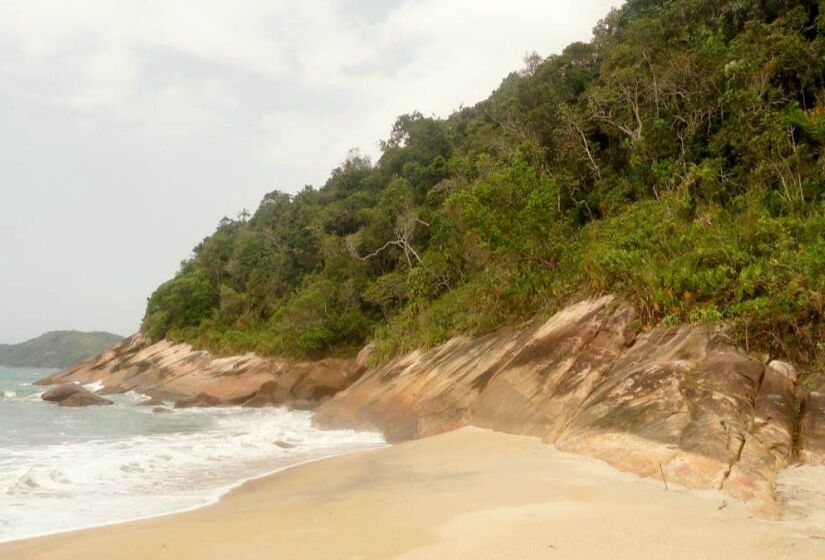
(130, 128)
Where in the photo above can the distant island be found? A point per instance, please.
(57, 349)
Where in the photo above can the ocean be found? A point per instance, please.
(63, 469)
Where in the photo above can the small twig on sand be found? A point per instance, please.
(661, 470)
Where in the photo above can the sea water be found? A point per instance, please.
(70, 468)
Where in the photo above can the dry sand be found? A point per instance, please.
(468, 494)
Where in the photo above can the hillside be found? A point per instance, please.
(676, 160)
(56, 349)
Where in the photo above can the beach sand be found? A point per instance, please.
(470, 494)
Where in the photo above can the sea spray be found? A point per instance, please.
(63, 469)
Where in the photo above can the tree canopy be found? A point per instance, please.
(676, 160)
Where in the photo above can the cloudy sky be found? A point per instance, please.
(129, 128)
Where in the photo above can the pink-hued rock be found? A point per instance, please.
(768, 447)
(678, 403)
(539, 390)
(681, 403)
(501, 381)
(176, 372)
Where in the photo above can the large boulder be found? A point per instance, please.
(199, 400)
(314, 381)
(73, 395)
(360, 364)
(271, 393)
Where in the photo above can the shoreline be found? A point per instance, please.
(172, 464)
(471, 493)
(220, 494)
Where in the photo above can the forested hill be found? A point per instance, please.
(676, 160)
(56, 349)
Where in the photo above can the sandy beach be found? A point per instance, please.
(466, 494)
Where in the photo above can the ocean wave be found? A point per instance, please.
(29, 479)
(178, 461)
(8, 395)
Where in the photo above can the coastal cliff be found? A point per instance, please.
(682, 404)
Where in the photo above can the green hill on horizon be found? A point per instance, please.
(56, 349)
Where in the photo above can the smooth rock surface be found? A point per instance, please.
(500, 381)
(769, 445)
(73, 395)
(812, 429)
(679, 403)
(170, 372)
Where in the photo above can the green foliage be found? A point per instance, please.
(185, 301)
(676, 160)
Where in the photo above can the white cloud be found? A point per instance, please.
(153, 119)
(111, 56)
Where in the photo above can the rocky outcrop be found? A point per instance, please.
(73, 395)
(199, 400)
(502, 381)
(812, 429)
(681, 403)
(768, 445)
(176, 372)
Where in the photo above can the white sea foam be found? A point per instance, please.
(175, 462)
(94, 386)
(29, 479)
(32, 397)
(9, 394)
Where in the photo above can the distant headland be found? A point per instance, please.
(56, 349)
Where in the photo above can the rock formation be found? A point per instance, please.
(73, 395)
(812, 429)
(176, 372)
(680, 403)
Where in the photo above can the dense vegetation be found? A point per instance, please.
(676, 159)
(56, 349)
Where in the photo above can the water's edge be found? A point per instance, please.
(71, 469)
(213, 500)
